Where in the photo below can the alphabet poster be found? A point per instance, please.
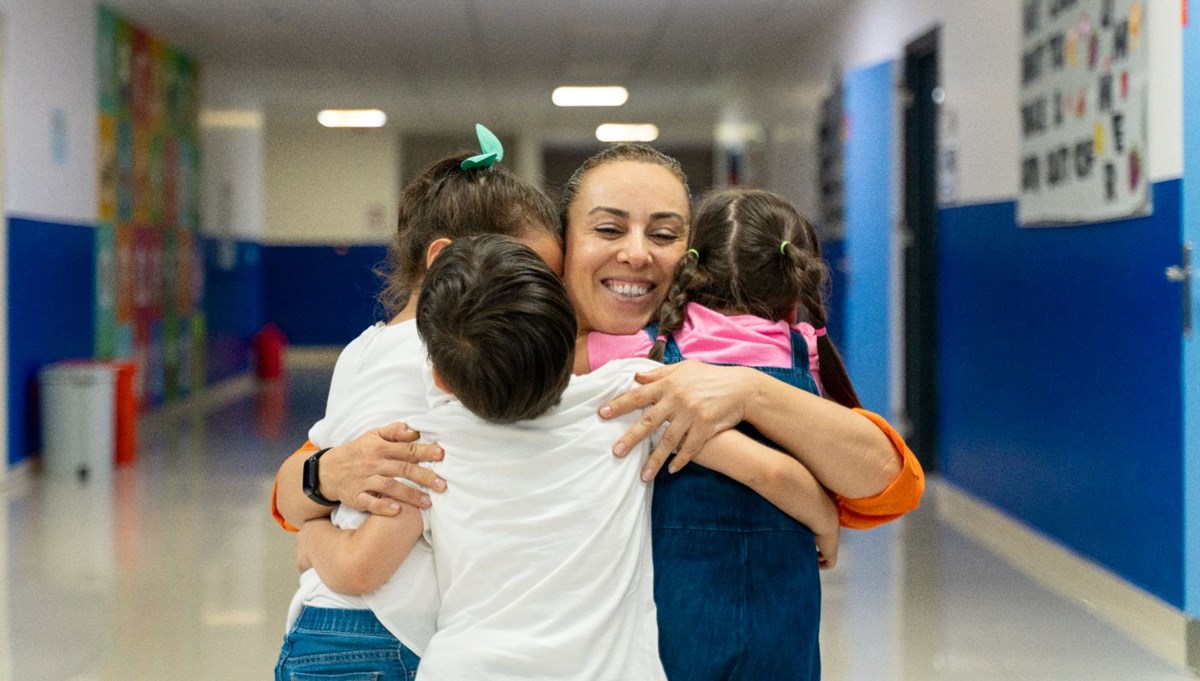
(149, 285)
(1083, 112)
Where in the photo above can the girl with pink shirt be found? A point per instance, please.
(748, 293)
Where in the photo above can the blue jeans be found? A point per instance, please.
(346, 645)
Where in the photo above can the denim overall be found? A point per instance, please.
(735, 579)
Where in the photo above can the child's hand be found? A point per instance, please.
(303, 561)
(827, 548)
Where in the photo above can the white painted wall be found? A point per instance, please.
(330, 186)
(49, 66)
(233, 141)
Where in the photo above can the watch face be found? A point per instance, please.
(312, 480)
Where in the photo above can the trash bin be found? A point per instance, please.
(126, 407)
(77, 399)
(269, 344)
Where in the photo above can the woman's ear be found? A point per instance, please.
(434, 249)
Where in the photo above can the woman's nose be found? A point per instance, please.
(635, 251)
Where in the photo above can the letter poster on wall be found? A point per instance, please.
(1083, 112)
(149, 171)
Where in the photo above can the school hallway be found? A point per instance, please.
(176, 570)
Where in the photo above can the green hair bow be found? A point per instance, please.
(490, 145)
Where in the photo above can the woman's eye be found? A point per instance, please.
(607, 230)
(665, 237)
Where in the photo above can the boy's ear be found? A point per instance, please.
(434, 249)
(437, 380)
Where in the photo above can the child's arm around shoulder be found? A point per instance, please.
(359, 561)
(780, 479)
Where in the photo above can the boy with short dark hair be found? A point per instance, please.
(542, 540)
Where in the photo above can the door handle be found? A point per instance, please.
(1182, 274)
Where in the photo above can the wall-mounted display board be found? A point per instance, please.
(149, 281)
(1083, 112)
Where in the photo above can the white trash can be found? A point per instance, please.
(77, 419)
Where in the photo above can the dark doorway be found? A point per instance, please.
(920, 246)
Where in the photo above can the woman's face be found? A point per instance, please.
(626, 232)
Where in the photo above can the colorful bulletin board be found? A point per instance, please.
(1083, 96)
(149, 279)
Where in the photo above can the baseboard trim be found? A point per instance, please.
(1159, 627)
(212, 397)
(20, 474)
(312, 355)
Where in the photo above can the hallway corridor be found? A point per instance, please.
(178, 572)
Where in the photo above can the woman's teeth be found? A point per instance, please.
(629, 290)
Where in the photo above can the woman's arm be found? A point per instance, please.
(846, 452)
(781, 480)
(361, 474)
(355, 562)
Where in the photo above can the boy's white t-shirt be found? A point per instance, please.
(378, 379)
(542, 543)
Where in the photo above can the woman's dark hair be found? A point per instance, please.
(751, 252)
(498, 326)
(445, 201)
(628, 151)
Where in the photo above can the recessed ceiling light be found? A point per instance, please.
(352, 118)
(627, 132)
(589, 96)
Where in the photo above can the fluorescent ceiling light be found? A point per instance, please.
(352, 118)
(210, 118)
(589, 96)
(627, 132)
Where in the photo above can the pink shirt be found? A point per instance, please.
(709, 336)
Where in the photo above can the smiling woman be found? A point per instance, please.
(626, 214)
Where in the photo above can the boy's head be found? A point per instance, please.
(498, 326)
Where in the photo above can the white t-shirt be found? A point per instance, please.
(542, 543)
(378, 379)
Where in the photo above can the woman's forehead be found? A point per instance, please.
(631, 185)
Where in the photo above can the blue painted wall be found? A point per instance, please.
(1060, 381)
(233, 304)
(322, 295)
(51, 312)
(1191, 353)
(868, 166)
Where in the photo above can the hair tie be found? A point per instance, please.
(783, 246)
(490, 145)
(660, 339)
(819, 332)
(694, 253)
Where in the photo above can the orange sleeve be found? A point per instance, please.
(899, 497)
(308, 447)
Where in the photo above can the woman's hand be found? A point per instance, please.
(362, 473)
(696, 400)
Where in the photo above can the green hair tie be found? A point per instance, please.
(694, 253)
(490, 145)
(783, 246)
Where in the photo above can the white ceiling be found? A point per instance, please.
(437, 65)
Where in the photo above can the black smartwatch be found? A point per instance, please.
(312, 479)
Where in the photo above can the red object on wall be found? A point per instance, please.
(269, 344)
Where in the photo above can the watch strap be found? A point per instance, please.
(312, 479)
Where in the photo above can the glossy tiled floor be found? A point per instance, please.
(176, 571)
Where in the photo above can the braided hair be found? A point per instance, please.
(751, 252)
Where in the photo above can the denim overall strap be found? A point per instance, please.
(758, 615)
